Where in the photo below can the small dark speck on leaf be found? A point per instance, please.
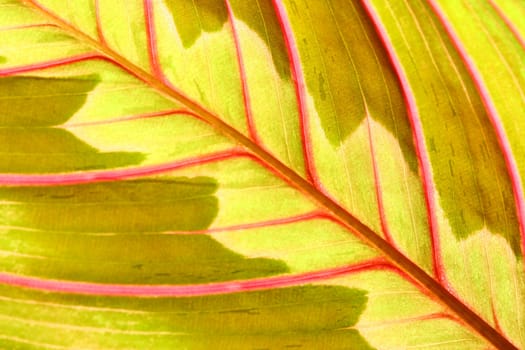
(62, 196)
(321, 87)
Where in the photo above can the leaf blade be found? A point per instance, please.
(279, 167)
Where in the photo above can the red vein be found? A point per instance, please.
(377, 180)
(494, 117)
(60, 286)
(300, 92)
(427, 317)
(114, 175)
(262, 224)
(495, 316)
(377, 187)
(100, 31)
(48, 64)
(27, 26)
(135, 117)
(152, 41)
(242, 71)
(419, 141)
(508, 22)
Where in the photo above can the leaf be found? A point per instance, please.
(262, 174)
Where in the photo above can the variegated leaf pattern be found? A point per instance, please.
(262, 174)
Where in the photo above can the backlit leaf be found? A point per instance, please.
(263, 174)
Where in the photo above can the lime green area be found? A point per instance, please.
(514, 10)
(308, 245)
(266, 67)
(207, 70)
(125, 34)
(260, 17)
(30, 108)
(81, 13)
(35, 44)
(314, 317)
(3, 59)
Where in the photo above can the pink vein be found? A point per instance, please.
(135, 117)
(268, 223)
(152, 41)
(27, 26)
(300, 91)
(100, 31)
(114, 175)
(427, 317)
(48, 64)
(495, 119)
(242, 70)
(515, 31)
(377, 180)
(190, 290)
(421, 152)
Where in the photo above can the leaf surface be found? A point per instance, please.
(265, 174)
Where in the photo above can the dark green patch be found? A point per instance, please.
(48, 150)
(30, 110)
(193, 18)
(114, 207)
(339, 79)
(134, 218)
(307, 317)
(40, 102)
(133, 258)
(471, 198)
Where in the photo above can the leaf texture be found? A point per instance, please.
(262, 174)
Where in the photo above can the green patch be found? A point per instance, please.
(53, 150)
(31, 108)
(121, 232)
(42, 102)
(304, 317)
(115, 207)
(193, 20)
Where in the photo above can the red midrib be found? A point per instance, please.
(405, 266)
